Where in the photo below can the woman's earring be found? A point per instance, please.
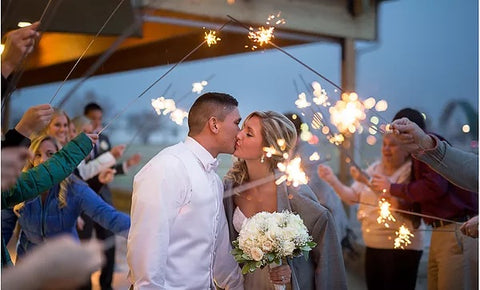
(262, 159)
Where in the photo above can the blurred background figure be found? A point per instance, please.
(322, 190)
(385, 267)
(453, 258)
(94, 112)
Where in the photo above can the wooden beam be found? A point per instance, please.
(153, 53)
(323, 17)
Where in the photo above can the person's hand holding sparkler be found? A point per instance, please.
(359, 175)
(412, 137)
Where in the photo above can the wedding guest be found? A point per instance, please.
(322, 190)
(60, 206)
(32, 122)
(324, 269)
(458, 166)
(59, 126)
(101, 164)
(95, 113)
(18, 44)
(49, 265)
(179, 235)
(385, 267)
(453, 258)
(40, 178)
(13, 160)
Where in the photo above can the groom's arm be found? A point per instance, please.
(154, 201)
(226, 272)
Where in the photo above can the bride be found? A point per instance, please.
(325, 268)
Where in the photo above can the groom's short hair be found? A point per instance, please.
(209, 105)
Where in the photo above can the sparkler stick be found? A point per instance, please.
(291, 56)
(159, 79)
(126, 33)
(86, 49)
(411, 213)
(20, 67)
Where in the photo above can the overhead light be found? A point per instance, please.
(24, 24)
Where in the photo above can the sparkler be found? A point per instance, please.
(211, 38)
(86, 49)
(198, 87)
(385, 214)
(178, 115)
(20, 66)
(403, 237)
(167, 105)
(160, 78)
(347, 113)
(126, 33)
(294, 175)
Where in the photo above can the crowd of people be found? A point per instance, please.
(184, 218)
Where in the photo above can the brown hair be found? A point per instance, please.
(209, 105)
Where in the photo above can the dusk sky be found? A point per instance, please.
(426, 56)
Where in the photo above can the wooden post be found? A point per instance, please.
(348, 84)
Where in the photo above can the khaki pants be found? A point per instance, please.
(453, 260)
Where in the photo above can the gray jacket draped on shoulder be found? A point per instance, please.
(325, 267)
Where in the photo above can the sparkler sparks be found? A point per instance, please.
(167, 105)
(302, 102)
(198, 87)
(320, 94)
(294, 175)
(403, 237)
(314, 157)
(263, 35)
(270, 151)
(211, 38)
(178, 115)
(385, 214)
(347, 113)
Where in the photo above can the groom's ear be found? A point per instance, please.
(213, 124)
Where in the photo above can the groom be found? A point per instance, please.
(178, 237)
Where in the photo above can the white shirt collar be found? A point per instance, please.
(205, 158)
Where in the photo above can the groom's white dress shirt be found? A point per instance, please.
(178, 237)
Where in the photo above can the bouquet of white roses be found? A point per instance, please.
(266, 238)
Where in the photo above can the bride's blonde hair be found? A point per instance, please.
(34, 147)
(275, 127)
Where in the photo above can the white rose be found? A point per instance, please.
(288, 248)
(256, 254)
(267, 246)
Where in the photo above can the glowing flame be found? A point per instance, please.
(261, 36)
(320, 94)
(178, 115)
(336, 139)
(302, 102)
(347, 113)
(211, 38)
(198, 87)
(314, 157)
(167, 105)
(294, 175)
(385, 214)
(403, 237)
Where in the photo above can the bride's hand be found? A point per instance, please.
(280, 275)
